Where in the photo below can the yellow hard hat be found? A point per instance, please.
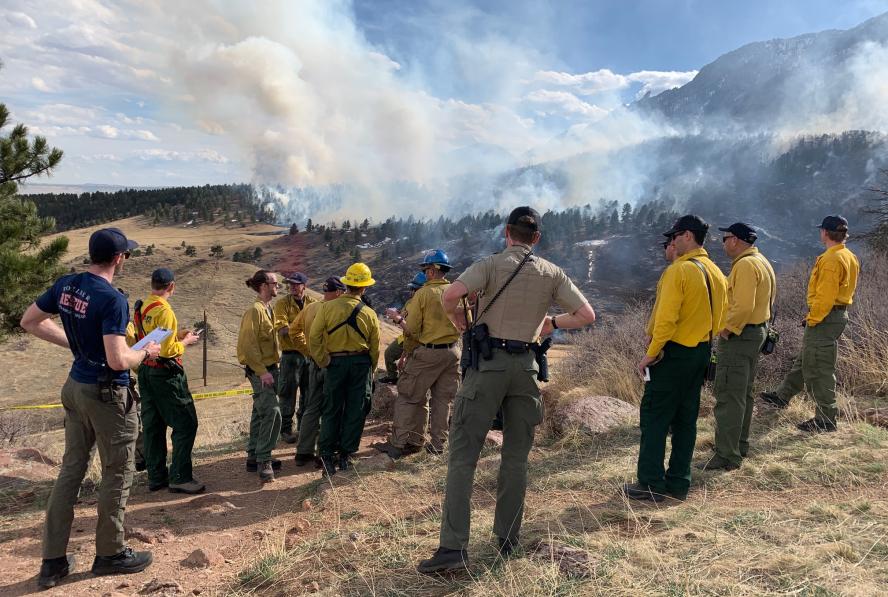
(358, 274)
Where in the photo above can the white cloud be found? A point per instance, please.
(655, 82)
(20, 19)
(566, 103)
(109, 132)
(40, 85)
(170, 155)
(605, 80)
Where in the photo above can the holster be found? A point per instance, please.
(481, 340)
(542, 361)
(711, 367)
(771, 340)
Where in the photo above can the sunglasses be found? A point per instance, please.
(666, 243)
(126, 254)
(726, 238)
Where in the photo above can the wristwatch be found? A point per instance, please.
(554, 325)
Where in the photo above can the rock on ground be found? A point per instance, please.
(590, 414)
(494, 439)
(571, 560)
(382, 404)
(876, 416)
(202, 558)
(161, 587)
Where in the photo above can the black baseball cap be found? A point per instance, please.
(297, 278)
(834, 223)
(744, 232)
(332, 284)
(104, 244)
(688, 223)
(525, 217)
(162, 277)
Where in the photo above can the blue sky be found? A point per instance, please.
(314, 92)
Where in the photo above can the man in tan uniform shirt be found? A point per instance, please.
(507, 380)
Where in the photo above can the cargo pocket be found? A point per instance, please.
(465, 396)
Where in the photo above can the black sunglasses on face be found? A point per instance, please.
(126, 255)
(725, 238)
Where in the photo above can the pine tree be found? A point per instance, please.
(26, 267)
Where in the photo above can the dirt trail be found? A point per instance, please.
(232, 522)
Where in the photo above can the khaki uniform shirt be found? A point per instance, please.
(286, 310)
(833, 282)
(518, 313)
(750, 290)
(682, 311)
(257, 341)
(162, 316)
(427, 322)
(345, 339)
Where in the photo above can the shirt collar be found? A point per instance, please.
(749, 251)
(157, 299)
(518, 248)
(701, 252)
(835, 248)
(437, 281)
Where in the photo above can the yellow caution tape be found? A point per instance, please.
(200, 396)
(237, 392)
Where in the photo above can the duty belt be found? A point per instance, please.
(840, 307)
(291, 352)
(510, 346)
(352, 353)
(451, 345)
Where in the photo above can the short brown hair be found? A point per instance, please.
(520, 233)
(837, 236)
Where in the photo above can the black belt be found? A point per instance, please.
(755, 325)
(510, 346)
(840, 308)
(349, 353)
(451, 345)
(291, 352)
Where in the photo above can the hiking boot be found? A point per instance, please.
(345, 462)
(158, 486)
(303, 459)
(252, 467)
(328, 466)
(289, 437)
(445, 560)
(53, 569)
(433, 450)
(816, 425)
(506, 546)
(141, 466)
(266, 471)
(126, 562)
(717, 463)
(190, 487)
(639, 492)
(393, 451)
(772, 399)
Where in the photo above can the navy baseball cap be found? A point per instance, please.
(297, 278)
(688, 223)
(104, 244)
(834, 223)
(525, 217)
(744, 232)
(162, 277)
(332, 284)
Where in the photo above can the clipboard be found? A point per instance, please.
(156, 335)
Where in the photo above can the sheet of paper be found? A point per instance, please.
(156, 335)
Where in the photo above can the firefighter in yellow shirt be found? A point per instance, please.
(688, 312)
(312, 402)
(258, 350)
(294, 354)
(344, 340)
(432, 367)
(395, 349)
(830, 293)
(751, 292)
(166, 399)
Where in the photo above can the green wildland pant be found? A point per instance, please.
(738, 358)
(671, 399)
(815, 367)
(294, 376)
(89, 422)
(310, 426)
(167, 402)
(265, 419)
(507, 382)
(346, 397)
(392, 353)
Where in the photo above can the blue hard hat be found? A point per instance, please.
(435, 257)
(418, 281)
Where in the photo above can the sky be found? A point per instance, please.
(320, 92)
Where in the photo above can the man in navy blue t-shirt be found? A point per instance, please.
(98, 411)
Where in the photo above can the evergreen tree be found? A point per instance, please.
(26, 267)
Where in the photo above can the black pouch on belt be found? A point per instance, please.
(105, 381)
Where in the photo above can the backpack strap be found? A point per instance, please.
(709, 291)
(351, 321)
(139, 316)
